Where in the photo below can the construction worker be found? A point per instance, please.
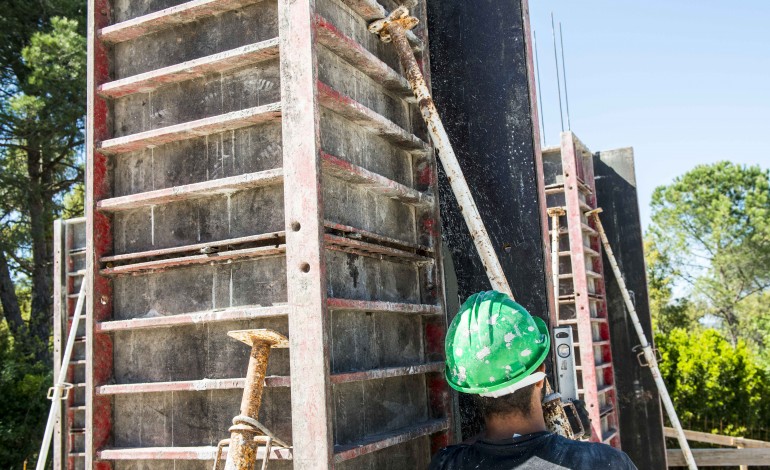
(495, 351)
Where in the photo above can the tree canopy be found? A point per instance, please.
(712, 227)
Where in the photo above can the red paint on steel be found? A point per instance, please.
(358, 56)
(370, 120)
(182, 453)
(169, 17)
(536, 135)
(311, 395)
(579, 278)
(192, 129)
(216, 63)
(366, 235)
(194, 190)
(426, 176)
(227, 314)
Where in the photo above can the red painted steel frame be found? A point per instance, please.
(305, 261)
(435, 328)
(569, 158)
(98, 243)
(535, 121)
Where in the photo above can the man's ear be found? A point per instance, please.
(541, 383)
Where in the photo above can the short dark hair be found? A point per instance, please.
(518, 402)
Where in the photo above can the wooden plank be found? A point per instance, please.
(387, 373)
(215, 258)
(374, 182)
(720, 457)
(192, 129)
(216, 63)
(382, 307)
(192, 191)
(384, 440)
(358, 56)
(184, 453)
(311, 397)
(167, 18)
(368, 119)
(718, 439)
(226, 314)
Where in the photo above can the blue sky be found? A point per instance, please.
(683, 82)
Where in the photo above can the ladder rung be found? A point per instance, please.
(369, 119)
(597, 366)
(589, 230)
(604, 342)
(587, 250)
(592, 274)
(573, 321)
(559, 188)
(570, 299)
(190, 191)
(77, 251)
(376, 183)
(359, 57)
(606, 410)
(190, 130)
(601, 390)
(78, 273)
(77, 455)
(167, 18)
(609, 435)
(215, 63)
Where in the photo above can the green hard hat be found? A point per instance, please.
(493, 343)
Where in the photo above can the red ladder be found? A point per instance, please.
(570, 186)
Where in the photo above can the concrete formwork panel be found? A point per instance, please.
(258, 164)
(641, 418)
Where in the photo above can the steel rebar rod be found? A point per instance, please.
(649, 354)
(393, 28)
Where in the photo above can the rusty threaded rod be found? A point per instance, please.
(242, 454)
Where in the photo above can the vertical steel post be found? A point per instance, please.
(98, 240)
(649, 355)
(555, 213)
(305, 259)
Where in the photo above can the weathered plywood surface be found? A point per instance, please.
(641, 419)
(481, 86)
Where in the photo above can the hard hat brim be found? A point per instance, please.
(543, 329)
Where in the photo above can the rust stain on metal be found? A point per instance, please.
(555, 417)
(246, 433)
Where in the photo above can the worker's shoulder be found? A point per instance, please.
(597, 454)
(448, 457)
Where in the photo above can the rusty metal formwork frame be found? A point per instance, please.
(69, 272)
(569, 178)
(232, 185)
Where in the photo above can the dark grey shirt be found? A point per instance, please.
(536, 451)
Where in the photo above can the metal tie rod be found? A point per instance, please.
(649, 355)
(55, 392)
(394, 28)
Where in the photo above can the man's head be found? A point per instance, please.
(495, 350)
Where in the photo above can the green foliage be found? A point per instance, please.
(710, 381)
(667, 313)
(23, 385)
(713, 225)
